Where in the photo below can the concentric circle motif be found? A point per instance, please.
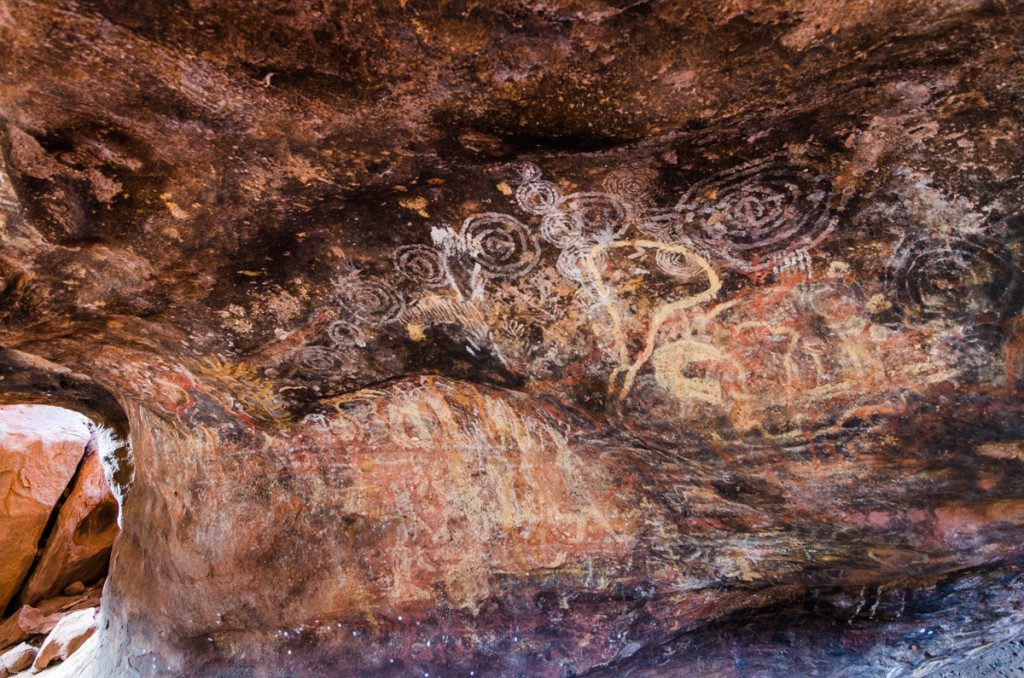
(344, 335)
(600, 214)
(749, 217)
(562, 229)
(370, 300)
(954, 276)
(521, 172)
(422, 264)
(667, 226)
(635, 185)
(538, 197)
(678, 265)
(501, 245)
(318, 360)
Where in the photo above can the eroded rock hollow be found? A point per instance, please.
(524, 338)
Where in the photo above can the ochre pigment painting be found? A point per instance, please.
(511, 338)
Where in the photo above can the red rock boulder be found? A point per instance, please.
(78, 548)
(40, 448)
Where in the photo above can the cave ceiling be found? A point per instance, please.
(565, 328)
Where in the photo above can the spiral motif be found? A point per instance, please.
(954, 276)
(501, 245)
(562, 229)
(600, 214)
(370, 300)
(345, 335)
(538, 197)
(318, 359)
(635, 185)
(749, 217)
(421, 264)
(678, 265)
(667, 226)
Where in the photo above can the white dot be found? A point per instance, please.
(399, 617)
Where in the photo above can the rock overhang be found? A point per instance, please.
(761, 262)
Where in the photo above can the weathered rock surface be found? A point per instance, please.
(78, 547)
(16, 660)
(40, 448)
(29, 621)
(530, 338)
(67, 636)
(78, 664)
(25, 622)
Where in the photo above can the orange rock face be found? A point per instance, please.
(78, 548)
(40, 448)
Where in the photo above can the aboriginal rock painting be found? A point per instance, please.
(719, 307)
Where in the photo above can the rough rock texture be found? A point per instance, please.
(78, 664)
(67, 636)
(40, 448)
(31, 621)
(530, 337)
(27, 621)
(16, 660)
(78, 547)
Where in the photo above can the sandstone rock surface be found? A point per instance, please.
(67, 636)
(17, 659)
(78, 547)
(29, 620)
(40, 448)
(530, 337)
